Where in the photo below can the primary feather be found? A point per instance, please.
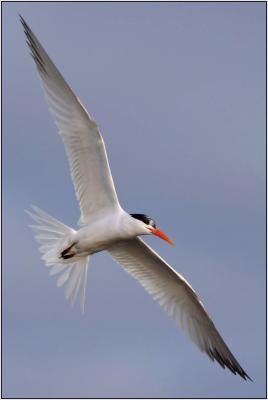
(176, 297)
(91, 175)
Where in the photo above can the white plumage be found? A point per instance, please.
(106, 226)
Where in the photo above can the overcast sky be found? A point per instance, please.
(178, 91)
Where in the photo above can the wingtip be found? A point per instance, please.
(243, 375)
(23, 22)
(248, 378)
(230, 363)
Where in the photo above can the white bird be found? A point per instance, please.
(106, 226)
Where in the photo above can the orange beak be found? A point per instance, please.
(162, 235)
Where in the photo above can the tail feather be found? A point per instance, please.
(54, 237)
(77, 283)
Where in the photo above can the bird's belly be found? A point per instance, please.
(89, 241)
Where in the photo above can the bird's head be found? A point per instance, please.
(148, 227)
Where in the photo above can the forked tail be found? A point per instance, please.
(56, 240)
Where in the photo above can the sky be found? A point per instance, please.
(178, 91)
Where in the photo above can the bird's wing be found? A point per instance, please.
(176, 297)
(83, 142)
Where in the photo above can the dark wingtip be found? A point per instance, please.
(30, 40)
(22, 20)
(24, 24)
(232, 365)
(248, 377)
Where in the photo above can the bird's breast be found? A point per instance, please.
(100, 234)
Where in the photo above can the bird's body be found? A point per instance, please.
(104, 225)
(105, 231)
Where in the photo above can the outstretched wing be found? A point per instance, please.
(83, 142)
(176, 297)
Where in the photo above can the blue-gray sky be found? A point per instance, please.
(178, 91)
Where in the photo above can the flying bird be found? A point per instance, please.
(104, 225)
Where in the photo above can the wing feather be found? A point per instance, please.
(176, 297)
(83, 142)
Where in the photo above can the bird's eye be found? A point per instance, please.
(152, 223)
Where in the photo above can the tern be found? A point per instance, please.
(104, 225)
